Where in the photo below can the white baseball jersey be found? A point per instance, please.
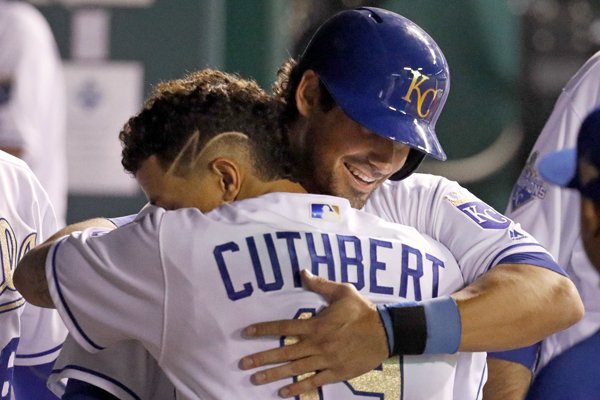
(140, 282)
(551, 213)
(28, 335)
(32, 98)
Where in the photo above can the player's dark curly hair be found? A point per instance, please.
(209, 102)
(288, 78)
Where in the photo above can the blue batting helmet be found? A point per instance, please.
(387, 74)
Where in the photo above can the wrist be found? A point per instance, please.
(427, 327)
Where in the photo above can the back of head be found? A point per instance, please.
(385, 72)
(205, 104)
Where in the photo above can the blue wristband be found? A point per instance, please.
(443, 325)
(395, 314)
(439, 327)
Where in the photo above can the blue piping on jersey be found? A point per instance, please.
(62, 299)
(43, 353)
(543, 259)
(98, 374)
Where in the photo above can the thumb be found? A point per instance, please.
(322, 286)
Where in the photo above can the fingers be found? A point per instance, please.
(275, 356)
(302, 368)
(330, 290)
(308, 385)
(294, 327)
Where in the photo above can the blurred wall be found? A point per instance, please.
(485, 41)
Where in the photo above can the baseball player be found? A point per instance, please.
(571, 374)
(32, 98)
(552, 216)
(216, 101)
(184, 283)
(340, 91)
(30, 337)
(477, 233)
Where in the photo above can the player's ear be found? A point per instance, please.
(229, 174)
(307, 92)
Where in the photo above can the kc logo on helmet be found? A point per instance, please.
(420, 94)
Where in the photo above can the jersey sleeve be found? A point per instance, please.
(108, 286)
(125, 370)
(476, 234)
(42, 330)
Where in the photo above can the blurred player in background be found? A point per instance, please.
(32, 99)
(572, 373)
(30, 337)
(552, 216)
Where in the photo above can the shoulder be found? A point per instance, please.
(25, 27)
(589, 70)
(21, 15)
(17, 169)
(417, 188)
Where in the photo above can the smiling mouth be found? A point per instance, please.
(360, 176)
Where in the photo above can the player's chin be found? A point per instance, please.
(357, 199)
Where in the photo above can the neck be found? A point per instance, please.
(258, 188)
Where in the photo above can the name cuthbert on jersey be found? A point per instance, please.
(357, 260)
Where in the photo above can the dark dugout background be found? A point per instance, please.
(509, 60)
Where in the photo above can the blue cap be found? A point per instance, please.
(577, 168)
(385, 72)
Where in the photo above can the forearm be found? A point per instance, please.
(515, 305)
(30, 275)
(507, 380)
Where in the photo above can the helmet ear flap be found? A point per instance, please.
(414, 159)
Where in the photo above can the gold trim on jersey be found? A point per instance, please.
(11, 253)
(12, 306)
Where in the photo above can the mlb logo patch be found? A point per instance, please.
(326, 212)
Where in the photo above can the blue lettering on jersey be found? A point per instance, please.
(529, 186)
(316, 259)
(344, 243)
(436, 264)
(377, 265)
(415, 273)
(484, 215)
(258, 268)
(231, 292)
(289, 238)
(352, 265)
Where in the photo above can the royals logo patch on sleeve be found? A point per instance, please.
(327, 212)
(479, 212)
